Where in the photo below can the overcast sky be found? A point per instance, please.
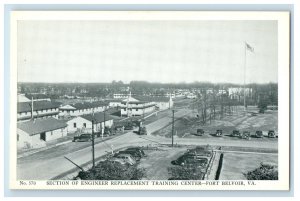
(154, 51)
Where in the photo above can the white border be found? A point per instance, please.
(283, 79)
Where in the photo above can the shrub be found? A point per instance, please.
(106, 170)
(264, 172)
(183, 173)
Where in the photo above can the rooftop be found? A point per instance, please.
(38, 126)
(36, 96)
(87, 105)
(97, 117)
(37, 105)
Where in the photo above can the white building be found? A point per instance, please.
(77, 109)
(134, 107)
(35, 133)
(37, 110)
(83, 123)
(121, 95)
(38, 97)
(23, 98)
(115, 102)
(161, 102)
(141, 105)
(238, 92)
(191, 96)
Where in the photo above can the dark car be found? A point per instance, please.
(187, 157)
(142, 131)
(219, 133)
(195, 163)
(235, 133)
(136, 155)
(128, 127)
(245, 135)
(200, 151)
(83, 138)
(200, 132)
(271, 134)
(137, 149)
(259, 134)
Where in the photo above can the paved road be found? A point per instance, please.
(42, 166)
(46, 166)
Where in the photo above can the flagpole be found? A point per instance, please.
(245, 63)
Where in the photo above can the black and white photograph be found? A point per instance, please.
(169, 100)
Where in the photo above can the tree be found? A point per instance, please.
(107, 170)
(262, 105)
(184, 173)
(264, 172)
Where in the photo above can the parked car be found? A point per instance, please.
(259, 134)
(136, 155)
(128, 127)
(182, 159)
(137, 149)
(120, 161)
(126, 158)
(83, 138)
(271, 134)
(195, 163)
(200, 132)
(245, 135)
(142, 130)
(200, 151)
(235, 133)
(219, 133)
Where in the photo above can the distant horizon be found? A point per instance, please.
(196, 82)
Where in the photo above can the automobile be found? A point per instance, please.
(126, 158)
(136, 155)
(121, 161)
(259, 134)
(245, 135)
(128, 127)
(195, 163)
(137, 149)
(219, 133)
(182, 159)
(271, 134)
(83, 138)
(200, 151)
(142, 130)
(235, 133)
(200, 132)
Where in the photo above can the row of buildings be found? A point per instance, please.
(41, 121)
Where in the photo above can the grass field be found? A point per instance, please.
(235, 164)
(187, 126)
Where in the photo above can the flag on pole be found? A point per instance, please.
(248, 47)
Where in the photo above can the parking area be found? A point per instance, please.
(158, 160)
(187, 126)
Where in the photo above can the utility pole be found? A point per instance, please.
(173, 111)
(104, 123)
(93, 144)
(245, 63)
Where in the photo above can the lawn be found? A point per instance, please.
(235, 164)
(188, 125)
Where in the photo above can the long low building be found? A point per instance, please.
(37, 110)
(35, 133)
(78, 109)
(83, 123)
(141, 105)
